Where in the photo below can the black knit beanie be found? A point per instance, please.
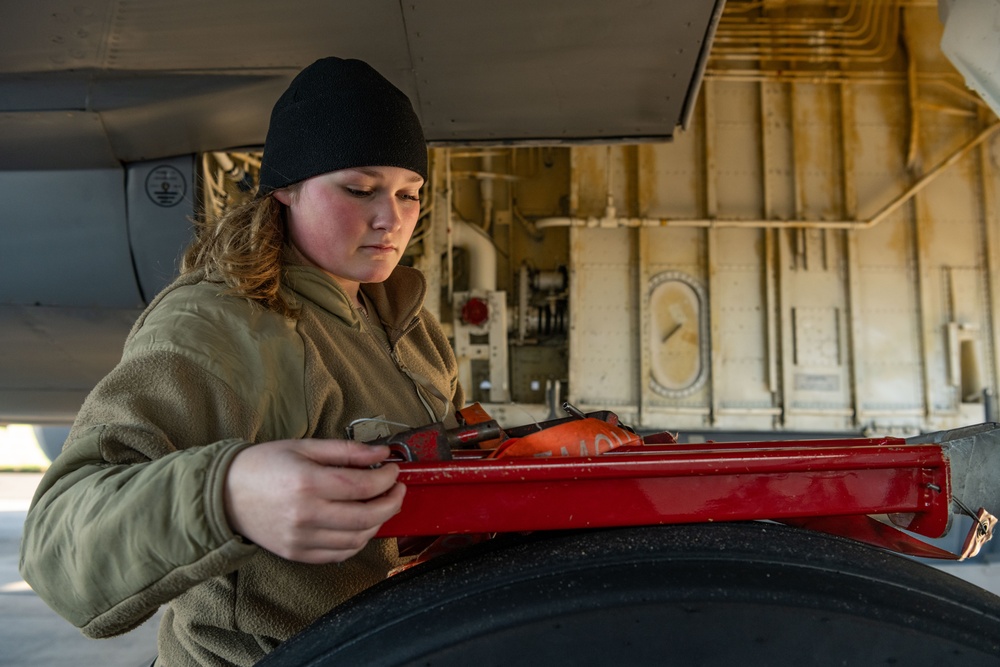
(338, 114)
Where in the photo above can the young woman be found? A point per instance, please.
(217, 468)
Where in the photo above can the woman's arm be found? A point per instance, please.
(131, 513)
(125, 519)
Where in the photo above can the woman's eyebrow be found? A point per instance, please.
(413, 178)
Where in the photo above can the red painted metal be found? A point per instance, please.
(867, 529)
(476, 312)
(661, 484)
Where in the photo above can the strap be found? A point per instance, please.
(870, 531)
(980, 533)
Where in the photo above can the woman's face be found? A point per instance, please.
(353, 224)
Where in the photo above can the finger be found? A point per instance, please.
(342, 484)
(349, 528)
(357, 516)
(329, 546)
(344, 453)
(357, 523)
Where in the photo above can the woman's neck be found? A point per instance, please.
(351, 288)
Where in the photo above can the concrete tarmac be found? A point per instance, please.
(31, 634)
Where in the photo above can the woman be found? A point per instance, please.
(215, 468)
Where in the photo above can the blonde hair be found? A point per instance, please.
(243, 248)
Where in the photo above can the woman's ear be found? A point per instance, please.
(283, 195)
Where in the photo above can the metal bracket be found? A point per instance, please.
(980, 533)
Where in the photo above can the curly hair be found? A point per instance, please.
(243, 248)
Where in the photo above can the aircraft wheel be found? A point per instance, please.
(751, 593)
(51, 439)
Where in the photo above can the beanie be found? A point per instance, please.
(338, 114)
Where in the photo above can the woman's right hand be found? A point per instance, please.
(312, 501)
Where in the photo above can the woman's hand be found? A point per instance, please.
(312, 501)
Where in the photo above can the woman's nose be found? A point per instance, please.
(389, 215)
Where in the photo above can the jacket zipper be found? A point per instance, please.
(387, 346)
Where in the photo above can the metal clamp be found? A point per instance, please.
(981, 531)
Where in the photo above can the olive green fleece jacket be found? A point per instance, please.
(130, 516)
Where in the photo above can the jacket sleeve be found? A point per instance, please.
(131, 513)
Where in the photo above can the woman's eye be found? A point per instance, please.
(357, 192)
(411, 197)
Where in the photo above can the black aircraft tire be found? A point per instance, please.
(708, 594)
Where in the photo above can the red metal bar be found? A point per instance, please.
(677, 484)
(769, 444)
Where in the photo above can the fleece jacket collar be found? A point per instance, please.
(398, 300)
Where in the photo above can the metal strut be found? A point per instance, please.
(673, 483)
(588, 470)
